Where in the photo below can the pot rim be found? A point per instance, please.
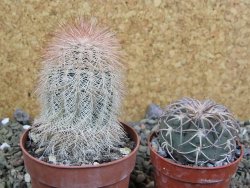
(196, 167)
(137, 140)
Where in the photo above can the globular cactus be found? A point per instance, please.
(198, 132)
(80, 92)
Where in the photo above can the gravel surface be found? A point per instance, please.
(14, 175)
(12, 171)
(142, 177)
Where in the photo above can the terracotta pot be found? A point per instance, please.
(114, 174)
(173, 175)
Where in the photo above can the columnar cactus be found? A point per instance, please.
(80, 93)
(198, 132)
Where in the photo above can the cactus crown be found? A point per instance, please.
(198, 132)
(80, 92)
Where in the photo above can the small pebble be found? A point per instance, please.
(29, 185)
(96, 163)
(52, 159)
(150, 185)
(210, 165)
(248, 178)
(162, 152)
(155, 128)
(140, 178)
(225, 163)
(148, 151)
(39, 151)
(144, 121)
(152, 121)
(243, 131)
(143, 126)
(5, 121)
(247, 152)
(21, 116)
(237, 152)
(146, 163)
(143, 149)
(248, 130)
(137, 128)
(147, 133)
(26, 127)
(27, 178)
(247, 122)
(155, 144)
(4, 146)
(13, 172)
(17, 162)
(218, 163)
(125, 151)
(241, 165)
(153, 111)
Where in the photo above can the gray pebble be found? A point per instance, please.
(247, 122)
(153, 111)
(140, 178)
(210, 165)
(247, 152)
(39, 151)
(150, 185)
(143, 149)
(148, 151)
(144, 121)
(3, 131)
(132, 124)
(5, 122)
(137, 128)
(241, 165)
(237, 152)
(3, 161)
(155, 144)
(27, 178)
(155, 128)
(152, 121)
(147, 133)
(21, 116)
(218, 163)
(143, 139)
(2, 185)
(225, 163)
(155, 147)
(248, 129)
(162, 152)
(246, 163)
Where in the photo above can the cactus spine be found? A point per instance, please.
(198, 132)
(80, 92)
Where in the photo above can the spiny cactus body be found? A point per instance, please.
(198, 132)
(80, 91)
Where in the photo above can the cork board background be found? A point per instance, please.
(195, 48)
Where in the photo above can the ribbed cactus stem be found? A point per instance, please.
(198, 132)
(80, 92)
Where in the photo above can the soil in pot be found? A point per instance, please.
(128, 144)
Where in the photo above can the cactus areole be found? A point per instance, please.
(80, 92)
(198, 132)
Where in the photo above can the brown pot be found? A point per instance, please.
(114, 174)
(173, 175)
